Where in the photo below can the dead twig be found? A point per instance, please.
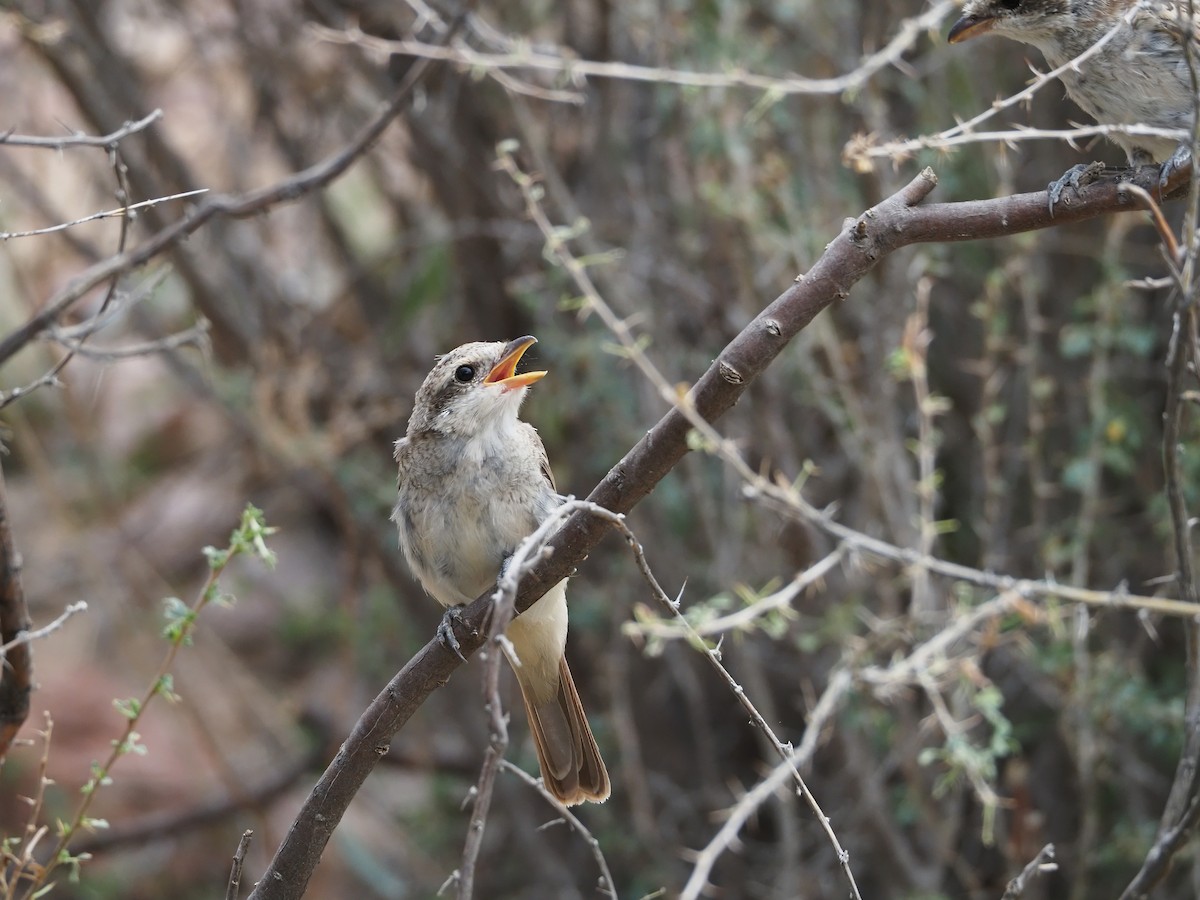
(239, 859)
(81, 140)
(606, 887)
(1039, 865)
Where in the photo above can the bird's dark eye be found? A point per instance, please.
(464, 373)
(1010, 4)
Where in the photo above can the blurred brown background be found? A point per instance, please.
(326, 313)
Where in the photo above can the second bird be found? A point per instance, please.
(474, 481)
(1140, 76)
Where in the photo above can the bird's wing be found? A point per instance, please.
(400, 445)
(543, 460)
(549, 475)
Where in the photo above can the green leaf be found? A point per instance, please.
(179, 618)
(165, 688)
(130, 708)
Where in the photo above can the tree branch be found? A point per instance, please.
(81, 140)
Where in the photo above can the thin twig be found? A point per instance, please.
(18, 858)
(606, 886)
(1170, 244)
(742, 618)
(106, 214)
(862, 148)
(713, 655)
(835, 691)
(1039, 865)
(81, 140)
(196, 336)
(505, 598)
(915, 345)
(28, 637)
(791, 503)
(924, 658)
(578, 70)
(239, 859)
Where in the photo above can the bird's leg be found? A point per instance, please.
(445, 629)
(1075, 177)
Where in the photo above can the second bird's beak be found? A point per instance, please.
(969, 27)
(504, 372)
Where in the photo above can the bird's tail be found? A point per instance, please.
(567, 753)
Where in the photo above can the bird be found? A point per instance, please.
(1140, 76)
(474, 480)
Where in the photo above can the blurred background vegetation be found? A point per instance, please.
(701, 205)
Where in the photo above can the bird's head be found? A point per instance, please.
(472, 388)
(1030, 21)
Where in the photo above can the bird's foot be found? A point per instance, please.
(1180, 159)
(445, 630)
(1075, 177)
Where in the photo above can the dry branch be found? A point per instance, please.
(563, 63)
(1043, 862)
(239, 859)
(81, 140)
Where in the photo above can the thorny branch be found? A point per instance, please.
(606, 886)
(518, 55)
(105, 214)
(1039, 865)
(235, 872)
(713, 655)
(81, 140)
(28, 637)
(51, 377)
(741, 618)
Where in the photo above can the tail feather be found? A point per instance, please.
(567, 753)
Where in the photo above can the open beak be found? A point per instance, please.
(504, 372)
(969, 27)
